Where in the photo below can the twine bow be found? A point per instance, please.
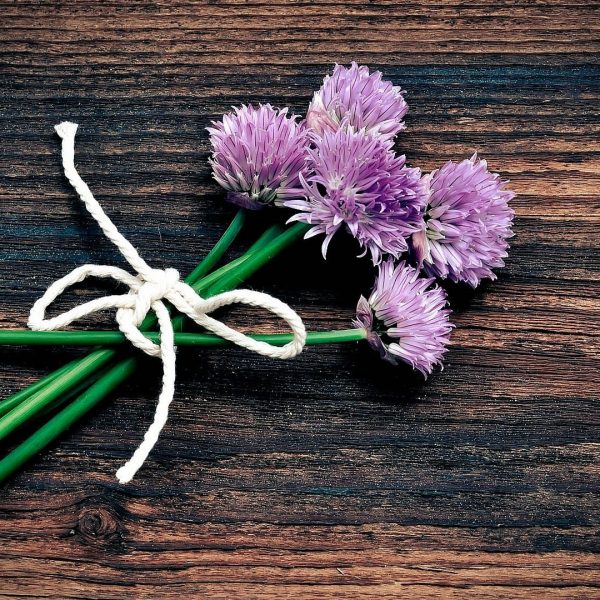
(147, 292)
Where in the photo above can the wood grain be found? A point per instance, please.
(333, 475)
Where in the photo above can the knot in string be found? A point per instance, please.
(156, 285)
(153, 287)
(147, 291)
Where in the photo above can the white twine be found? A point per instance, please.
(147, 290)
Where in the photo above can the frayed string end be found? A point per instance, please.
(66, 129)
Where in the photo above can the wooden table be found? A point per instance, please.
(334, 474)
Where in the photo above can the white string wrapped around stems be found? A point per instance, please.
(147, 291)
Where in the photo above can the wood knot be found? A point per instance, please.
(99, 524)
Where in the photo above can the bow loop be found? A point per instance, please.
(147, 291)
(251, 298)
(37, 316)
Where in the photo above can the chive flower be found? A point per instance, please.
(467, 222)
(359, 99)
(405, 318)
(258, 155)
(357, 181)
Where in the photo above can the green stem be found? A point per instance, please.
(71, 394)
(254, 262)
(220, 248)
(78, 373)
(271, 234)
(116, 338)
(9, 403)
(119, 373)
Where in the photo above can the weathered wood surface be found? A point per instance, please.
(332, 475)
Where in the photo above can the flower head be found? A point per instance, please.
(357, 181)
(467, 222)
(405, 318)
(359, 99)
(258, 155)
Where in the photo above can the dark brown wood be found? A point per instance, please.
(332, 475)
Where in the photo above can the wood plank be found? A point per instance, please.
(333, 475)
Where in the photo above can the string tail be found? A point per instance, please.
(66, 129)
(167, 353)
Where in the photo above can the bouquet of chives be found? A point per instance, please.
(338, 171)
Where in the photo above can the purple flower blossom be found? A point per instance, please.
(405, 318)
(357, 180)
(258, 155)
(359, 99)
(467, 223)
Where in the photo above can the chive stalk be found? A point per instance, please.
(116, 338)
